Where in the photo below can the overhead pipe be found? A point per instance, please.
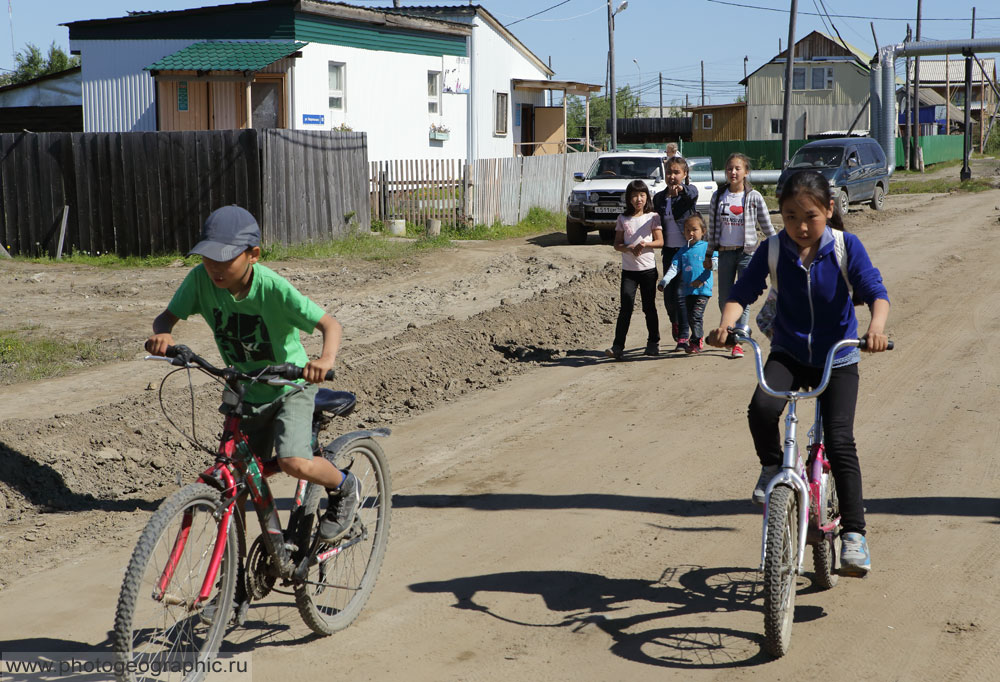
(875, 100)
(883, 114)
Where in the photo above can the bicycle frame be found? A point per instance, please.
(793, 474)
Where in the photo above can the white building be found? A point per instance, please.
(422, 82)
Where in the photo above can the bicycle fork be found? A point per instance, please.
(789, 476)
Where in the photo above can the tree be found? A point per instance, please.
(627, 106)
(29, 63)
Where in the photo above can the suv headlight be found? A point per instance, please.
(577, 197)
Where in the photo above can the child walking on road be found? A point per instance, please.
(813, 311)
(637, 233)
(675, 204)
(735, 214)
(256, 316)
(687, 268)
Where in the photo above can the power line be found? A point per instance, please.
(558, 4)
(853, 16)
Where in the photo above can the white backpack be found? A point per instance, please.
(765, 318)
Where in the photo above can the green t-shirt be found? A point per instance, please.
(259, 330)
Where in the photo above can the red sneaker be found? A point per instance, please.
(737, 351)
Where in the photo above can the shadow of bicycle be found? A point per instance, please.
(632, 611)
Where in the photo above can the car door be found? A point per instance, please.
(854, 180)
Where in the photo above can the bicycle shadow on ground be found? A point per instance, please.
(631, 611)
(559, 239)
(42, 486)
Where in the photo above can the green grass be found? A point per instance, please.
(940, 186)
(24, 357)
(372, 246)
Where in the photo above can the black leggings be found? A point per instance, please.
(837, 405)
(645, 282)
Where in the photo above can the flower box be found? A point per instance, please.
(438, 135)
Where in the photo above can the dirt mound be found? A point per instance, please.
(118, 457)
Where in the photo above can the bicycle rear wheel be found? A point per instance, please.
(779, 569)
(170, 637)
(825, 549)
(337, 588)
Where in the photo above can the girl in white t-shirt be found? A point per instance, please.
(736, 212)
(637, 234)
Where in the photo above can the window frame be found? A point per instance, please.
(501, 113)
(777, 126)
(709, 119)
(331, 93)
(435, 99)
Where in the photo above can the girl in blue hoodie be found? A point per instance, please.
(814, 310)
(694, 283)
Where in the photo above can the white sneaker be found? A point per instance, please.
(766, 474)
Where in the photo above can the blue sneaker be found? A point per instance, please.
(855, 561)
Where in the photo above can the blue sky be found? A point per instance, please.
(651, 36)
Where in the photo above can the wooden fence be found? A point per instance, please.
(485, 191)
(137, 194)
(416, 190)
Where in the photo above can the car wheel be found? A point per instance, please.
(607, 236)
(842, 202)
(878, 198)
(575, 233)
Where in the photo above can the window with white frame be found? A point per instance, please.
(706, 121)
(500, 114)
(336, 85)
(433, 92)
(777, 126)
(822, 77)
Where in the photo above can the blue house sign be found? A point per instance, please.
(313, 119)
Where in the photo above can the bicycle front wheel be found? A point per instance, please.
(340, 582)
(779, 569)
(161, 632)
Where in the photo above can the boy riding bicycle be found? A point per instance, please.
(256, 316)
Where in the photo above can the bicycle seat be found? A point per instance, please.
(338, 403)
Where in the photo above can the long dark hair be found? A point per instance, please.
(682, 162)
(746, 164)
(635, 187)
(814, 186)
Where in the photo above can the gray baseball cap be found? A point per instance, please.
(227, 232)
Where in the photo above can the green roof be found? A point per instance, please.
(221, 55)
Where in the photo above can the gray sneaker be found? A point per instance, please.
(855, 561)
(766, 474)
(341, 508)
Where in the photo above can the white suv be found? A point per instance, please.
(595, 203)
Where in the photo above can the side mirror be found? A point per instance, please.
(578, 177)
(852, 162)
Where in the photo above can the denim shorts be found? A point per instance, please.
(283, 427)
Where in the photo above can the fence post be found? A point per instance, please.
(467, 196)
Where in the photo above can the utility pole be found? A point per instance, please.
(703, 83)
(661, 94)
(908, 100)
(611, 78)
(788, 82)
(967, 141)
(915, 149)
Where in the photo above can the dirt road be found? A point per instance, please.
(557, 516)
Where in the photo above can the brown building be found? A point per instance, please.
(719, 122)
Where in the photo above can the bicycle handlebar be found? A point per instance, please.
(275, 375)
(742, 336)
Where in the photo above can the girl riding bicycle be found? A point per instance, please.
(813, 311)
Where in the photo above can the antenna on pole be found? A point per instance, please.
(10, 17)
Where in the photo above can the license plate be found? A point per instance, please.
(607, 209)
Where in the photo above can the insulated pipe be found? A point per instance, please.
(875, 101)
(887, 128)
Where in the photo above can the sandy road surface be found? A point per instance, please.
(589, 520)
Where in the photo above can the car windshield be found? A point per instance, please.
(630, 167)
(817, 157)
(700, 168)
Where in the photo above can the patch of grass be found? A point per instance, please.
(940, 186)
(110, 260)
(24, 357)
(538, 221)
